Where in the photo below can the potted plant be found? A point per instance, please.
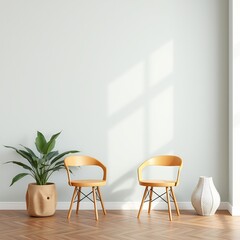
(41, 196)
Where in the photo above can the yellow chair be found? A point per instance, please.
(77, 161)
(165, 161)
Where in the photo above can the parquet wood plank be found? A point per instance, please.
(120, 225)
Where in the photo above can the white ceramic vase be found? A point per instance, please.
(205, 198)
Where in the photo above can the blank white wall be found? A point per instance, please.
(123, 81)
(234, 107)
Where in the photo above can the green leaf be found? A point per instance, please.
(30, 151)
(50, 155)
(60, 163)
(22, 153)
(51, 143)
(28, 156)
(35, 162)
(40, 143)
(54, 169)
(18, 177)
(21, 164)
(25, 154)
(12, 148)
(42, 167)
(63, 154)
(32, 160)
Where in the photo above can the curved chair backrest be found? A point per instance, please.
(77, 161)
(165, 160)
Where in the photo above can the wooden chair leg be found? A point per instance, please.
(100, 197)
(169, 205)
(73, 197)
(78, 202)
(150, 200)
(95, 204)
(175, 201)
(144, 196)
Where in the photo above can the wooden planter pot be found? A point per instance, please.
(41, 200)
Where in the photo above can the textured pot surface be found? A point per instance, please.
(41, 200)
(205, 198)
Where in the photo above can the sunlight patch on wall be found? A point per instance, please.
(126, 88)
(142, 122)
(125, 187)
(126, 144)
(157, 172)
(161, 63)
(161, 119)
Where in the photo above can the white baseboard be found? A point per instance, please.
(114, 206)
(12, 205)
(234, 211)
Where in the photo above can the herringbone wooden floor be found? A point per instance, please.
(122, 225)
